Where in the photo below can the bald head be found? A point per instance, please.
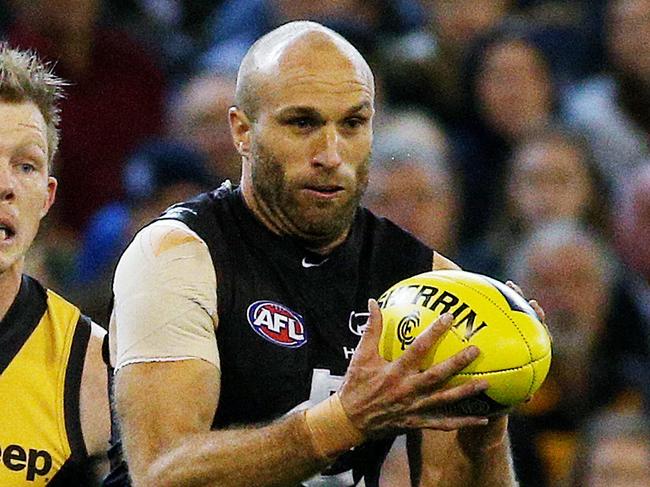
(291, 46)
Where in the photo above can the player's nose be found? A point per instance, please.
(7, 183)
(329, 149)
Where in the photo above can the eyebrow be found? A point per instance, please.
(30, 144)
(304, 110)
(33, 140)
(28, 147)
(360, 107)
(299, 110)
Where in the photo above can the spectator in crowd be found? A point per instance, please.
(573, 273)
(423, 68)
(199, 117)
(238, 23)
(114, 102)
(157, 175)
(613, 108)
(510, 92)
(614, 451)
(570, 31)
(550, 177)
(632, 233)
(52, 256)
(175, 29)
(412, 181)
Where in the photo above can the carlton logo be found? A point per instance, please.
(406, 326)
(277, 324)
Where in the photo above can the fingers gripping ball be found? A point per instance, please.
(515, 346)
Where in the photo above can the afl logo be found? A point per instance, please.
(405, 328)
(277, 324)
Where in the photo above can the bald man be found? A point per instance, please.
(237, 333)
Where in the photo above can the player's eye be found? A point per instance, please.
(302, 122)
(26, 167)
(355, 122)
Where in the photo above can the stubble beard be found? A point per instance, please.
(314, 225)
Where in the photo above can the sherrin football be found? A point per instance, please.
(515, 345)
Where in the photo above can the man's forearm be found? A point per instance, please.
(477, 456)
(278, 454)
(484, 457)
(490, 468)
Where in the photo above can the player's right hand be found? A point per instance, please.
(382, 397)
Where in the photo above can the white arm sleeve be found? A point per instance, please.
(165, 304)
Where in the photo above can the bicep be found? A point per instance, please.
(165, 299)
(161, 403)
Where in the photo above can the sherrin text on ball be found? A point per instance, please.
(515, 345)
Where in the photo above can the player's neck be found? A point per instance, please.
(256, 206)
(325, 249)
(9, 287)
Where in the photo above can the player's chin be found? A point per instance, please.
(322, 212)
(321, 225)
(7, 260)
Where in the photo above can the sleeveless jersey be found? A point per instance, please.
(289, 320)
(43, 341)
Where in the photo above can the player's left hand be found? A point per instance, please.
(476, 440)
(533, 303)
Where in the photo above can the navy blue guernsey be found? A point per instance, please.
(289, 319)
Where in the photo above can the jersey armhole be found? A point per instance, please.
(72, 390)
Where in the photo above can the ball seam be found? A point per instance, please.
(523, 337)
(504, 370)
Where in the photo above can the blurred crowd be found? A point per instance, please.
(512, 136)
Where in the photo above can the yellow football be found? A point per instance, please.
(515, 345)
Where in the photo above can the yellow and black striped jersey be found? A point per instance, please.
(43, 341)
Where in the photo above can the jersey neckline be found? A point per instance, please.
(21, 319)
(289, 251)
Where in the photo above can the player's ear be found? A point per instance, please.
(52, 184)
(240, 129)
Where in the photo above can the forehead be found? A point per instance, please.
(21, 123)
(630, 10)
(621, 452)
(320, 76)
(565, 261)
(549, 155)
(511, 53)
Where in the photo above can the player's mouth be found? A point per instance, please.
(326, 191)
(7, 233)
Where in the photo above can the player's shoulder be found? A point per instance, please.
(160, 253)
(385, 230)
(167, 234)
(188, 222)
(162, 236)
